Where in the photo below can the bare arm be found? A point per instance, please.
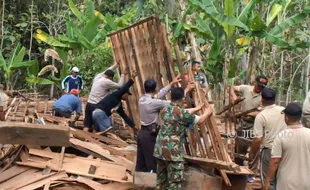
(193, 110)
(202, 118)
(273, 166)
(233, 90)
(255, 147)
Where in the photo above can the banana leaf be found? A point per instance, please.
(177, 30)
(275, 10)
(69, 25)
(99, 37)
(91, 28)
(18, 58)
(75, 11)
(33, 69)
(204, 27)
(41, 81)
(3, 65)
(21, 65)
(223, 19)
(13, 55)
(90, 10)
(229, 11)
(244, 15)
(42, 36)
(206, 5)
(298, 18)
(215, 50)
(257, 24)
(111, 23)
(276, 41)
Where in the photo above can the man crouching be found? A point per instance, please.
(170, 139)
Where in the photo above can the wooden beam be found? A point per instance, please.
(218, 164)
(33, 134)
(240, 99)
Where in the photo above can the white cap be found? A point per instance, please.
(75, 69)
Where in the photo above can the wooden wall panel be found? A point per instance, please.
(143, 47)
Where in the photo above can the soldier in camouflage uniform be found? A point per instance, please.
(169, 142)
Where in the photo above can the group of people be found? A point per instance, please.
(278, 138)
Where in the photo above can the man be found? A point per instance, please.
(67, 104)
(290, 153)
(112, 103)
(150, 106)
(169, 142)
(252, 95)
(306, 111)
(268, 123)
(102, 85)
(73, 81)
(200, 77)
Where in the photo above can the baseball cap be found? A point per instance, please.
(261, 80)
(74, 91)
(75, 69)
(293, 109)
(268, 94)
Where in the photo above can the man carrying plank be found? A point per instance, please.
(290, 153)
(306, 111)
(102, 85)
(112, 103)
(268, 123)
(169, 142)
(252, 95)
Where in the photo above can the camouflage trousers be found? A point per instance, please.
(170, 175)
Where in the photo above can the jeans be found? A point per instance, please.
(62, 113)
(101, 120)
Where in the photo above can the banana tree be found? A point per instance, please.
(236, 33)
(14, 63)
(35, 76)
(87, 30)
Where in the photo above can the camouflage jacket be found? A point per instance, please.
(170, 139)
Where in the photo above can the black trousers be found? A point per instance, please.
(146, 162)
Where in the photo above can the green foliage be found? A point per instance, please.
(92, 62)
(14, 63)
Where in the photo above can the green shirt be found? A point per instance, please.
(170, 139)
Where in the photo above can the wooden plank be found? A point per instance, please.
(79, 165)
(45, 180)
(12, 172)
(213, 163)
(33, 134)
(86, 136)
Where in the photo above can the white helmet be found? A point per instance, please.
(75, 69)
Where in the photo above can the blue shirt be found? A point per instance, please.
(69, 102)
(72, 83)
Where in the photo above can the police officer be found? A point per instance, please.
(169, 142)
(149, 106)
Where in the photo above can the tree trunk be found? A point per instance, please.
(2, 26)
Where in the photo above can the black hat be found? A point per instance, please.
(261, 80)
(293, 109)
(268, 94)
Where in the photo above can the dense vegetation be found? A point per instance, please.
(235, 39)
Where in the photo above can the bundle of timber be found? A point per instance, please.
(88, 161)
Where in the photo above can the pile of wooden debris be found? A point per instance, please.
(42, 152)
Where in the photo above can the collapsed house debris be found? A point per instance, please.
(84, 160)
